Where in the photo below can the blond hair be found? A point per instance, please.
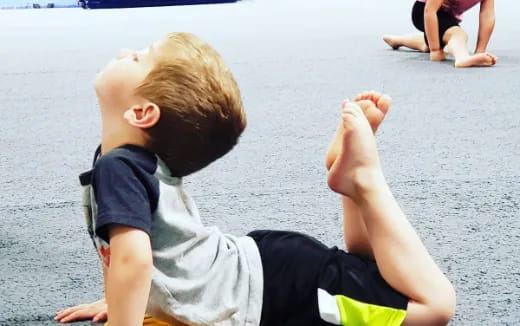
(202, 114)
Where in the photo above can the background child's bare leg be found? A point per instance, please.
(414, 42)
(457, 45)
(400, 255)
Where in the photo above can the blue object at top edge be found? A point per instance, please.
(99, 4)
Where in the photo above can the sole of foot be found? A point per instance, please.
(356, 167)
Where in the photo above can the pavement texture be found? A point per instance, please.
(450, 144)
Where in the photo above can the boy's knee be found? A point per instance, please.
(443, 308)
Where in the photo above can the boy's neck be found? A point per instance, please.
(112, 137)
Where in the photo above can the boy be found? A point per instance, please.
(174, 108)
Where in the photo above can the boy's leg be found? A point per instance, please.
(414, 41)
(354, 229)
(401, 257)
(457, 45)
(375, 106)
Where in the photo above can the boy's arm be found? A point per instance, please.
(129, 276)
(486, 25)
(431, 28)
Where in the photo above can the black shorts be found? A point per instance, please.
(446, 21)
(309, 284)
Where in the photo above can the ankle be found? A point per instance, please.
(366, 182)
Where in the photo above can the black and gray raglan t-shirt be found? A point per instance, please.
(200, 275)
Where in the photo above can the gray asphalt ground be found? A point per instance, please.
(450, 144)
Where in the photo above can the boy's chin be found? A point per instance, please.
(98, 79)
(102, 88)
(103, 83)
(101, 73)
(98, 85)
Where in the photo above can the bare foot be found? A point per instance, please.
(414, 42)
(375, 106)
(390, 40)
(357, 164)
(477, 60)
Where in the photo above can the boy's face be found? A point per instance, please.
(116, 84)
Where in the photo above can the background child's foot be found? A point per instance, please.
(375, 106)
(356, 167)
(477, 60)
(411, 41)
(390, 40)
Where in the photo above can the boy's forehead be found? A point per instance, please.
(156, 50)
(158, 47)
(152, 48)
(165, 49)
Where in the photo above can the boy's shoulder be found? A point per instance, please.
(130, 156)
(126, 169)
(125, 189)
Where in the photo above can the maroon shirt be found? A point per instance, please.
(460, 7)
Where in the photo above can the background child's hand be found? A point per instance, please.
(97, 311)
(438, 55)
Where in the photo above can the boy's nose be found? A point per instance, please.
(124, 53)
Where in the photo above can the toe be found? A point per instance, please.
(488, 60)
(493, 59)
(361, 96)
(375, 96)
(384, 103)
(365, 105)
(353, 108)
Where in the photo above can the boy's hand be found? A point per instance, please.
(437, 55)
(97, 311)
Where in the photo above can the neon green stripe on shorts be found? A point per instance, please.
(342, 310)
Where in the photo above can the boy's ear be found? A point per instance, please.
(143, 117)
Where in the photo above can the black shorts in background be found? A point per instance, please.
(446, 21)
(302, 277)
